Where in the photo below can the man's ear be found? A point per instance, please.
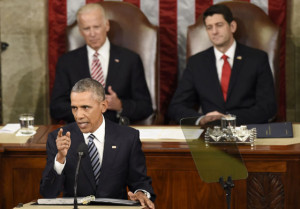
(233, 26)
(104, 106)
(107, 25)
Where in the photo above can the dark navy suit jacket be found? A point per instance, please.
(125, 75)
(251, 94)
(123, 165)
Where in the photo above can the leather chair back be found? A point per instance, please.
(254, 29)
(131, 29)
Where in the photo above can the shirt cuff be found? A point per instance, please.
(198, 120)
(119, 113)
(58, 167)
(144, 191)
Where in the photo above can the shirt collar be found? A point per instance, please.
(99, 133)
(103, 51)
(229, 53)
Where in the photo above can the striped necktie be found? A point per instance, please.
(94, 155)
(97, 72)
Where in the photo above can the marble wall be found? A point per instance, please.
(292, 61)
(24, 72)
(23, 26)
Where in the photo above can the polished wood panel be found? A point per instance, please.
(273, 181)
(31, 205)
(272, 169)
(265, 190)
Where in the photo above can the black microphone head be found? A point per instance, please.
(82, 149)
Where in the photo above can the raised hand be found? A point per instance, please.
(63, 143)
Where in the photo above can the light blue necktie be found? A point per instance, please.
(95, 159)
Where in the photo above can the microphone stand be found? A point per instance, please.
(227, 186)
(76, 177)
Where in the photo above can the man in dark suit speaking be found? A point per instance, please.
(228, 78)
(114, 159)
(120, 70)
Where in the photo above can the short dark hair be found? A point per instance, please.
(218, 9)
(91, 85)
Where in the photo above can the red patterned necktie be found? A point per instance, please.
(97, 72)
(226, 71)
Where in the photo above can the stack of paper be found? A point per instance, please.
(10, 128)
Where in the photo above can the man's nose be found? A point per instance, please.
(214, 30)
(92, 32)
(79, 114)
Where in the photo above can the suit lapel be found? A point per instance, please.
(109, 153)
(113, 66)
(88, 170)
(84, 63)
(86, 165)
(110, 147)
(236, 68)
(215, 84)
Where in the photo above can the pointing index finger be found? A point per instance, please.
(59, 134)
(68, 134)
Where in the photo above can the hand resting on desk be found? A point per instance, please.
(142, 198)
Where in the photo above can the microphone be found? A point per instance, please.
(82, 150)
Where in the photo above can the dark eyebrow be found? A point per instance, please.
(84, 106)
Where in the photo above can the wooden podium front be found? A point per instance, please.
(31, 206)
(273, 181)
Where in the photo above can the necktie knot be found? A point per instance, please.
(96, 54)
(224, 57)
(91, 137)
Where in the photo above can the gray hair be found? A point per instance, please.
(90, 7)
(91, 85)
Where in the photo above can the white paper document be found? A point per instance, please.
(58, 201)
(66, 200)
(10, 128)
(85, 200)
(167, 133)
(111, 201)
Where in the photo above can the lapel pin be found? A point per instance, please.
(239, 57)
(117, 60)
(114, 147)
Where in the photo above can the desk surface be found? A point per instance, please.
(38, 141)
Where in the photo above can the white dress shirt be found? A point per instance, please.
(99, 139)
(103, 56)
(219, 64)
(99, 143)
(219, 61)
